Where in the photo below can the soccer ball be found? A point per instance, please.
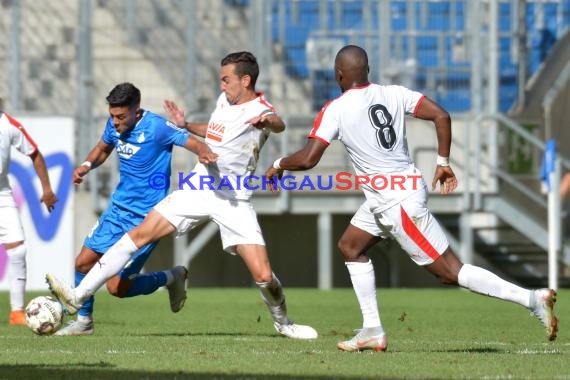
(44, 315)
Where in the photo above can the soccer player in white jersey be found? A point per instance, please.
(236, 132)
(369, 120)
(13, 134)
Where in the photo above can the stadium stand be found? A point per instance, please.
(451, 86)
(429, 33)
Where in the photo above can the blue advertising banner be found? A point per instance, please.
(49, 236)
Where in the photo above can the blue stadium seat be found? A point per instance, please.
(427, 57)
(398, 16)
(438, 7)
(455, 100)
(455, 78)
(351, 15)
(460, 16)
(541, 43)
(237, 3)
(438, 14)
(508, 92)
(551, 16)
(296, 62)
(438, 22)
(445, 70)
(325, 88)
(504, 17)
(427, 54)
(299, 23)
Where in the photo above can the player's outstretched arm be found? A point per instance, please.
(203, 151)
(96, 157)
(48, 197)
(176, 115)
(269, 120)
(304, 159)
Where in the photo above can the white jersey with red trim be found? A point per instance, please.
(237, 144)
(12, 134)
(370, 122)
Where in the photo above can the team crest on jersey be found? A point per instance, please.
(126, 150)
(215, 131)
(141, 138)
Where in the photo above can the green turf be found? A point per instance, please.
(227, 334)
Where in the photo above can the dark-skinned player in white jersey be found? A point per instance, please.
(369, 120)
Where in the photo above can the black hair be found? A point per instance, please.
(245, 64)
(124, 95)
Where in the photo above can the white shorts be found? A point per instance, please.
(410, 223)
(237, 219)
(11, 230)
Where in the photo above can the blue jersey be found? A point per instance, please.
(143, 151)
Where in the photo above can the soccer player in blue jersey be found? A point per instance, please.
(143, 141)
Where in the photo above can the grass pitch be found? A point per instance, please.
(228, 334)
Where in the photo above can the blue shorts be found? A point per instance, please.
(111, 226)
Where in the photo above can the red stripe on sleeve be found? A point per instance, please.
(415, 234)
(320, 139)
(317, 122)
(16, 124)
(418, 105)
(264, 102)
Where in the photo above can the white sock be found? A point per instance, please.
(482, 281)
(364, 284)
(84, 318)
(17, 276)
(109, 265)
(272, 295)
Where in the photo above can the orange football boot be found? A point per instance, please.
(17, 317)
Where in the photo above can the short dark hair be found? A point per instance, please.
(245, 64)
(124, 95)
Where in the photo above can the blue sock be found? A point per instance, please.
(146, 283)
(87, 308)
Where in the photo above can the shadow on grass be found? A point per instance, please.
(105, 370)
(477, 350)
(209, 334)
